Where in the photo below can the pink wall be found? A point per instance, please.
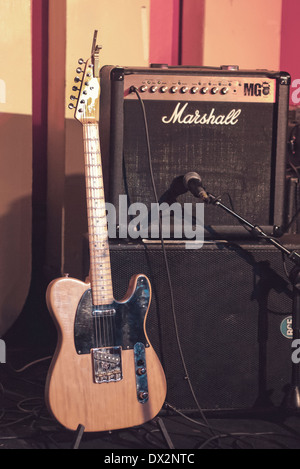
(177, 36)
(290, 45)
(192, 32)
(177, 32)
(164, 31)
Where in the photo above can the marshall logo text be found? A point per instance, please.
(181, 117)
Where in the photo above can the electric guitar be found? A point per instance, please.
(104, 374)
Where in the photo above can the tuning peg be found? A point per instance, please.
(81, 61)
(71, 106)
(75, 88)
(73, 97)
(77, 79)
(78, 70)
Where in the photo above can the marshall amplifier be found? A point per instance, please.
(227, 125)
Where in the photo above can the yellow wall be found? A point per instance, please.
(242, 32)
(123, 32)
(16, 158)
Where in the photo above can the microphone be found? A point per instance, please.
(176, 188)
(193, 183)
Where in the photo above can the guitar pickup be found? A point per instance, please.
(99, 312)
(107, 364)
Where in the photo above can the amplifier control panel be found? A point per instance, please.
(201, 88)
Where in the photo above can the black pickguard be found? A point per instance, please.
(123, 328)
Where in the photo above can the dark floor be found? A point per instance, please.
(26, 424)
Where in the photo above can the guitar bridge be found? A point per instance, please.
(107, 364)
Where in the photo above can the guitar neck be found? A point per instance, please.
(100, 268)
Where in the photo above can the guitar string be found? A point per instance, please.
(101, 340)
(97, 330)
(105, 326)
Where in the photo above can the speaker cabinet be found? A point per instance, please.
(229, 126)
(233, 306)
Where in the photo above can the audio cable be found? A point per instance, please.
(133, 89)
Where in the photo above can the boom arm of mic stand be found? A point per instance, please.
(291, 400)
(292, 255)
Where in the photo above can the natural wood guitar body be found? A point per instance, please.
(71, 393)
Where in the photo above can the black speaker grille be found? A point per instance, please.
(232, 159)
(230, 301)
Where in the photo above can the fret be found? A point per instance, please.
(94, 188)
(95, 202)
(96, 180)
(103, 282)
(100, 269)
(99, 280)
(97, 245)
(97, 251)
(98, 236)
(104, 257)
(92, 173)
(104, 268)
(101, 257)
(95, 248)
(89, 151)
(96, 223)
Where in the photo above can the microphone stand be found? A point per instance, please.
(292, 398)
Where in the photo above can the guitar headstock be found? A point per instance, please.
(87, 106)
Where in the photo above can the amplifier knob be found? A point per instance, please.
(143, 88)
(194, 89)
(164, 89)
(184, 89)
(174, 89)
(204, 90)
(224, 90)
(153, 89)
(214, 90)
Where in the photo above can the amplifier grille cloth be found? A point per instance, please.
(231, 159)
(230, 302)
